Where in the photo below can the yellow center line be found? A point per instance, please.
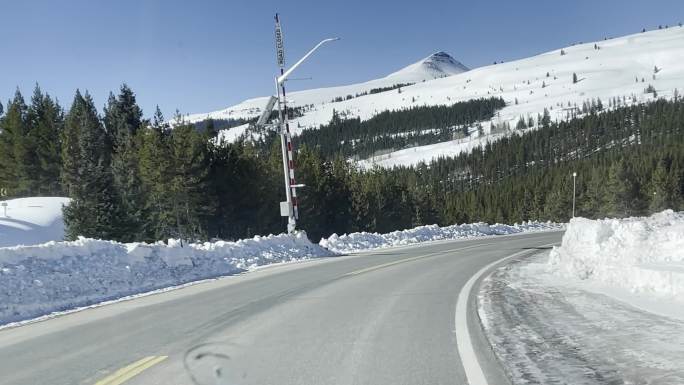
(376, 267)
(126, 373)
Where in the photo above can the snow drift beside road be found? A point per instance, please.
(354, 242)
(606, 306)
(57, 276)
(643, 255)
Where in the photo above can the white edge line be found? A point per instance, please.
(466, 351)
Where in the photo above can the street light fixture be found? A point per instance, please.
(289, 208)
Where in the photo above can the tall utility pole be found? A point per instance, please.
(289, 208)
(574, 185)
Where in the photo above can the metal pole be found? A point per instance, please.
(284, 127)
(574, 176)
(288, 162)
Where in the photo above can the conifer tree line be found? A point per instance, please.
(137, 179)
(415, 126)
(29, 150)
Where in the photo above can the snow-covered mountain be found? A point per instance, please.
(437, 65)
(614, 68)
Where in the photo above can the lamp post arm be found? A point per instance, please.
(287, 73)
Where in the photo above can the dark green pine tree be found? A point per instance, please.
(665, 185)
(592, 203)
(123, 118)
(70, 150)
(7, 169)
(558, 205)
(93, 211)
(190, 202)
(158, 122)
(46, 120)
(210, 128)
(15, 148)
(155, 174)
(425, 212)
(622, 190)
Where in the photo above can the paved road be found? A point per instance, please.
(385, 317)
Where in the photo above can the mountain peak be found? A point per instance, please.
(443, 62)
(438, 65)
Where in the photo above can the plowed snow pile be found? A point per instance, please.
(354, 242)
(606, 307)
(60, 276)
(643, 255)
(57, 276)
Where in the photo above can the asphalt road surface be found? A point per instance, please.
(384, 317)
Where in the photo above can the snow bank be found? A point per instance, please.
(57, 276)
(354, 242)
(643, 255)
(30, 221)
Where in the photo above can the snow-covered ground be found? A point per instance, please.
(355, 242)
(30, 221)
(615, 69)
(607, 306)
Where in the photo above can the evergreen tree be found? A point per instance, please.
(593, 200)
(210, 128)
(665, 185)
(46, 120)
(122, 120)
(558, 205)
(70, 150)
(93, 210)
(546, 118)
(158, 122)
(17, 149)
(622, 190)
(190, 204)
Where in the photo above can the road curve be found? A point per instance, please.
(384, 317)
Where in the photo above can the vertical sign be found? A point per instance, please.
(280, 55)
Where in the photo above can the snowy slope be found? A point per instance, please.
(611, 71)
(30, 221)
(607, 72)
(437, 65)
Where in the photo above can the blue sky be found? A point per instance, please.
(200, 56)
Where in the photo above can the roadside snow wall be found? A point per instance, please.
(354, 242)
(641, 254)
(57, 276)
